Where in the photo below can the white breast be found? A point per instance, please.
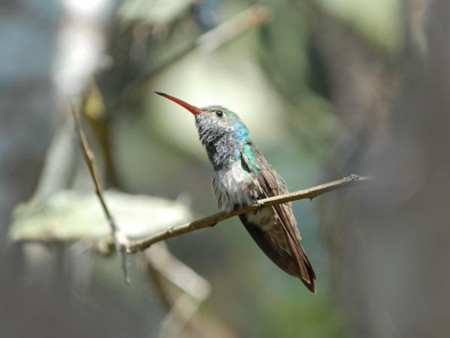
(233, 187)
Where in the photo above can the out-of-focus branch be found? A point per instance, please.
(181, 289)
(57, 170)
(310, 193)
(248, 19)
(120, 240)
(92, 108)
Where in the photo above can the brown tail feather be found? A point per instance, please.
(295, 266)
(310, 281)
(305, 270)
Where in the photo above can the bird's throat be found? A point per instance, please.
(223, 152)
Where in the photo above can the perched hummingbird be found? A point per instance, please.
(242, 176)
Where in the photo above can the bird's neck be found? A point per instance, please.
(223, 143)
(224, 151)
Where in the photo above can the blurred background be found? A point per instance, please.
(326, 87)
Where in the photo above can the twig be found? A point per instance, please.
(181, 289)
(120, 240)
(140, 245)
(250, 18)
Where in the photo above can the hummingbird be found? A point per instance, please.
(242, 176)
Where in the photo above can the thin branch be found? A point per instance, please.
(352, 180)
(181, 289)
(248, 19)
(120, 240)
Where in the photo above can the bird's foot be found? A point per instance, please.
(259, 206)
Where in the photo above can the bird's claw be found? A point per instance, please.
(259, 206)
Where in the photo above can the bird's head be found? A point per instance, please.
(214, 122)
(220, 130)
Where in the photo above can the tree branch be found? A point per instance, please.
(120, 240)
(248, 19)
(352, 180)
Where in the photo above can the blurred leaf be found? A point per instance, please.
(72, 215)
(93, 106)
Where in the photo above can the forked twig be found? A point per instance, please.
(120, 240)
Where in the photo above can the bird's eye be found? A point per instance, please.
(219, 113)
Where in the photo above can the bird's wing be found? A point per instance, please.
(272, 184)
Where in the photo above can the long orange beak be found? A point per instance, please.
(194, 110)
